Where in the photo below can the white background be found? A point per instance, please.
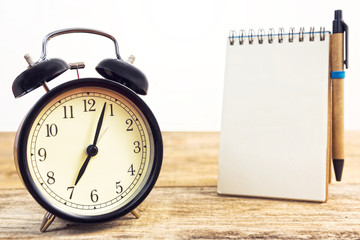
(179, 45)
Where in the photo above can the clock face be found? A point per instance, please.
(90, 152)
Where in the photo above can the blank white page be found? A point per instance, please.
(274, 122)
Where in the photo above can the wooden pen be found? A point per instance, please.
(337, 76)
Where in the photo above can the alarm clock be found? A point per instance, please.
(90, 149)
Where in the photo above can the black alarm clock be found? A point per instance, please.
(90, 149)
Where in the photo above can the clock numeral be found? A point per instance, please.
(42, 154)
(130, 123)
(71, 113)
(72, 191)
(137, 147)
(93, 196)
(51, 130)
(111, 110)
(118, 186)
(51, 179)
(131, 170)
(91, 103)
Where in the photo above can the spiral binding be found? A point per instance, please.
(260, 37)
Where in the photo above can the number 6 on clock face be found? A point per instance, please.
(89, 150)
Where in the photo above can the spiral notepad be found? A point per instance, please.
(275, 121)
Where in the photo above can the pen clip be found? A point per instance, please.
(346, 30)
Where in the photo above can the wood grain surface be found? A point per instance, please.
(184, 204)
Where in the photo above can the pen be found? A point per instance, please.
(337, 76)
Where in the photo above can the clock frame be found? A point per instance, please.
(20, 150)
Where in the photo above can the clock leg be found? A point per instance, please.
(136, 213)
(47, 220)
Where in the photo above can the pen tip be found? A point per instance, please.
(338, 168)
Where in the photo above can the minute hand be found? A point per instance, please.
(99, 125)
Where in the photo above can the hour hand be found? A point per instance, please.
(91, 150)
(82, 169)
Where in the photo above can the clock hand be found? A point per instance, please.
(104, 131)
(91, 150)
(82, 169)
(99, 125)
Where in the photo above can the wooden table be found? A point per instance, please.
(184, 204)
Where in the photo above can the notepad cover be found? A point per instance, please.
(274, 131)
